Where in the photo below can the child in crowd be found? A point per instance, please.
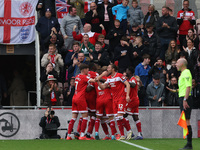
(120, 11)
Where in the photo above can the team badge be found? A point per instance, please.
(25, 8)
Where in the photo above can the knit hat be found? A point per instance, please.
(48, 9)
(51, 78)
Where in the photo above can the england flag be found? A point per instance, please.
(17, 21)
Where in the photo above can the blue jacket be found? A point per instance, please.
(143, 74)
(45, 25)
(121, 12)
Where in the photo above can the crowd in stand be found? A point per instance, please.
(123, 35)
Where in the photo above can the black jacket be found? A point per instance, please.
(123, 61)
(94, 21)
(114, 40)
(164, 32)
(47, 4)
(104, 60)
(44, 123)
(140, 51)
(153, 19)
(101, 12)
(152, 44)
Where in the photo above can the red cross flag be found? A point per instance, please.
(17, 21)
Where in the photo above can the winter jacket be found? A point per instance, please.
(152, 44)
(104, 60)
(47, 4)
(45, 25)
(135, 15)
(165, 32)
(140, 51)
(152, 91)
(153, 18)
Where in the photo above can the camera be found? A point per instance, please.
(51, 112)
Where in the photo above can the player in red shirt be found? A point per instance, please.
(79, 104)
(132, 106)
(117, 81)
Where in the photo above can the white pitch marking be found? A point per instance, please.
(141, 147)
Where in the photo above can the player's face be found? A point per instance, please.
(109, 69)
(86, 70)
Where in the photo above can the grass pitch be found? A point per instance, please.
(149, 144)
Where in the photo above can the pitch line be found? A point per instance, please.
(141, 147)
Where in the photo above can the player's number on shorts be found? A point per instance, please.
(76, 85)
(120, 106)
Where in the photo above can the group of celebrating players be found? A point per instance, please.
(105, 97)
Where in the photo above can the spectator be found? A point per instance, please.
(44, 4)
(45, 25)
(54, 38)
(69, 93)
(123, 55)
(79, 4)
(138, 51)
(92, 17)
(156, 91)
(197, 71)
(192, 55)
(191, 35)
(72, 54)
(105, 47)
(99, 56)
(142, 70)
(152, 16)
(105, 13)
(67, 25)
(74, 70)
(53, 57)
(51, 92)
(132, 39)
(172, 93)
(86, 47)
(172, 52)
(172, 72)
(141, 92)
(135, 14)
(3, 89)
(158, 68)
(195, 94)
(120, 11)
(93, 36)
(151, 42)
(114, 36)
(135, 29)
(185, 20)
(49, 121)
(98, 2)
(167, 29)
(49, 70)
(17, 91)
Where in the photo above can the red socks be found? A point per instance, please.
(120, 126)
(105, 128)
(71, 125)
(91, 124)
(79, 124)
(84, 124)
(112, 127)
(126, 124)
(97, 123)
(138, 125)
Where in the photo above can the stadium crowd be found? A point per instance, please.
(123, 35)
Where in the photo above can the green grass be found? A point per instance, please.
(154, 144)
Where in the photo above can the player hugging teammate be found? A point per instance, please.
(112, 93)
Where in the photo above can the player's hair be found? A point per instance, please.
(101, 36)
(92, 66)
(83, 66)
(116, 20)
(135, 1)
(70, 8)
(114, 66)
(145, 56)
(131, 69)
(52, 45)
(97, 42)
(75, 43)
(148, 25)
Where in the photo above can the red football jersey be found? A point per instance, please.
(102, 94)
(133, 91)
(81, 82)
(117, 86)
(92, 93)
